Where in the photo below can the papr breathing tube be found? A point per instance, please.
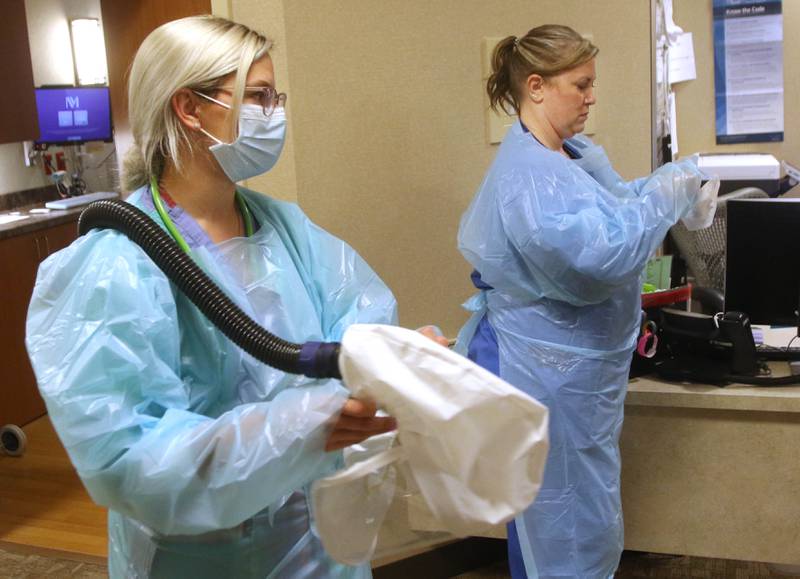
(312, 359)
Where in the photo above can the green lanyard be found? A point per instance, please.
(173, 231)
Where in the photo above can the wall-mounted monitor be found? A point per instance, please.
(73, 115)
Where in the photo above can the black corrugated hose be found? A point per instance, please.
(314, 359)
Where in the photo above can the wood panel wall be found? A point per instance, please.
(18, 121)
(126, 24)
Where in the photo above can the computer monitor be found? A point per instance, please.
(762, 269)
(73, 115)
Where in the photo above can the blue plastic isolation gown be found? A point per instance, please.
(202, 454)
(559, 247)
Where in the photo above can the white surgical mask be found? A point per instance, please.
(258, 146)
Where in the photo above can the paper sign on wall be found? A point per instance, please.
(681, 59)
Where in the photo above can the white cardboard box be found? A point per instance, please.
(741, 166)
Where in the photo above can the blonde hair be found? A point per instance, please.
(196, 53)
(546, 50)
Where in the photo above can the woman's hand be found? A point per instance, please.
(356, 423)
(433, 333)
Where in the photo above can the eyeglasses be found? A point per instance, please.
(265, 96)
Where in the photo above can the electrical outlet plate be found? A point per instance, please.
(29, 153)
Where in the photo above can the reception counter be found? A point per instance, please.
(706, 471)
(712, 472)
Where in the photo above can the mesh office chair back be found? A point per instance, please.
(704, 250)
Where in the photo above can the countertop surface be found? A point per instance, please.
(651, 391)
(21, 203)
(36, 221)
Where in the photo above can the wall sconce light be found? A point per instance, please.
(88, 51)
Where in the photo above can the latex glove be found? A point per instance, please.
(701, 215)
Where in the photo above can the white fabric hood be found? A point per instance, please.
(474, 445)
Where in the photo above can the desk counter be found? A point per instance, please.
(712, 472)
(649, 391)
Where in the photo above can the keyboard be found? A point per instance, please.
(80, 200)
(777, 353)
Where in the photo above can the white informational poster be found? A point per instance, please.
(748, 70)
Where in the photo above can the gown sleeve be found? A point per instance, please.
(565, 235)
(105, 344)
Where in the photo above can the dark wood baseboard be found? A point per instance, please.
(447, 561)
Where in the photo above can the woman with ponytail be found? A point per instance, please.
(559, 241)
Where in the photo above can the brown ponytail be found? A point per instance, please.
(499, 86)
(546, 50)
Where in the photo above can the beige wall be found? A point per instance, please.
(14, 175)
(695, 99)
(387, 121)
(267, 16)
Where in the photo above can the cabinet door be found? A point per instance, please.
(19, 397)
(125, 26)
(60, 236)
(18, 120)
(20, 256)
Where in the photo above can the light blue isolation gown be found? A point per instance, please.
(202, 454)
(559, 247)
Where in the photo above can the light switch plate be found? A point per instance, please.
(487, 48)
(497, 125)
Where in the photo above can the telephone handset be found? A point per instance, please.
(708, 349)
(736, 327)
